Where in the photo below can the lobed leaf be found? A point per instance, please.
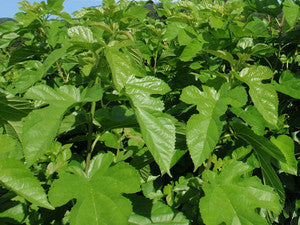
(203, 130)
(263, 95)
(158, 129)
(233, 199)
(99, 193)
(42, 125)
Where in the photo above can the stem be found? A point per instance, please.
(280, 33)
(130, 37)
(90, 146)
(208, 163)
(279, 40)
(103, 26)
(60, 73)
(155, 61)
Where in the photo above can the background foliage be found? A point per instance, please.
(139, 113)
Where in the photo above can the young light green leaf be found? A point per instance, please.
(263, 96)
(99, 194)
(286, 145)
(18, 178)
(137, 11)
(289, 84)
(65, 95)
(233, 199)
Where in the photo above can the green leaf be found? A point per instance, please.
(64, 96)
(31, 77)
(289, 84)
(286, 146)
(92, 94)
(13, 108)
(56, 5)
(259, 143)
(265, 100)
(263, 95)
(191, 50)
(271, 7)
(245, 42)
(81, 34)
(184, 36)
(233, 199)
(39, 130)
(99, 193)
(203, 130)
(236, 97)
(270, 176)
(252, 117)
(7, 39)
(42, 125)
(137, 11)
(291, 12)
(8, 27)
(117, 117)
(223, 55)
(257, 27)
(11, 210)
(158, 129)
(253, 74)
(121, 68)
(16, 177)
(216, 22)
(10, 148)
(146, 212)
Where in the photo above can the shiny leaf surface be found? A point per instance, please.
(233, 199)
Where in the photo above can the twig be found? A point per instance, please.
(60, 73)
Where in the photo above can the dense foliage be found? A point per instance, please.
(182, 114)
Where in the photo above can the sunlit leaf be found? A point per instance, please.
(263, 95)
(16, 177)
(233, 199)
(98, 193)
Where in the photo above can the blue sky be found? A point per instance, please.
(9, 7)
